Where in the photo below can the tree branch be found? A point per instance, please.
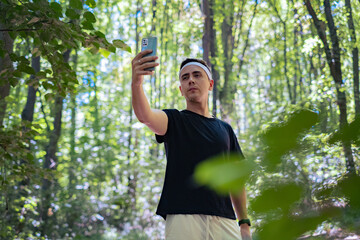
(320, 27)
(247, 40)
(240, 21)
(17, 30)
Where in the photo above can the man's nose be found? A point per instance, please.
(191, 80)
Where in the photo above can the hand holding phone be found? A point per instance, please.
(149, 43)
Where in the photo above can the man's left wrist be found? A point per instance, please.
(245, 222)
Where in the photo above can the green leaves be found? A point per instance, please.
(90, 17)
(52, 37)
(292, 227)
(91, 3)
(47, 85)
(120, 44)
(277, 203)
(56, 7)
(282, 196)
(349, 187)
(46, 35)
(224, 174)
(76, 4)
(25, 68)
(100, 34)
(282, 138)
(72, 14)
(49, 97)
(87, 25)
(349, 133)
(104, 52)
(15, 140)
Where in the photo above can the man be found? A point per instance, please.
(190, 136)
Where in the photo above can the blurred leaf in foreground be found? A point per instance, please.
(350, 187)
(291, 227)
(225, 173)
(279, 197)
(350, 132)
(282, 138)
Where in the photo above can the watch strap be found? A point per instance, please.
(244, 221)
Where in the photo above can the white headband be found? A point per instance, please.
(200, 65)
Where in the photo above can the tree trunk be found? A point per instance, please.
(209, 46)
(283, 22)
(50, 163)
(153, 19)
(242, 57)
(228, 44)
(28, 112)
(341, 95)
(285, 63)
(4, 92)
(73, 155)
(132, 179)
(355, 57)
(208, 25)
(334, 62)
(296, 62)
(5, 64)
(163, 58)
(213, 54)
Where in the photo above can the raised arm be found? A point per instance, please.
(155, 119)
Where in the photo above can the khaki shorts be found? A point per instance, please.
(200, 227)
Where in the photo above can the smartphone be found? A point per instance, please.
(149, 43)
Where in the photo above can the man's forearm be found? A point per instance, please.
(140, 104)
(239, 203)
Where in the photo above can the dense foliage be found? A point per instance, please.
(76, 164)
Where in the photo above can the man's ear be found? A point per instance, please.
(181, 91)
(211, 85)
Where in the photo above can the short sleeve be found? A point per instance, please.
(234, 144)
(171, 114)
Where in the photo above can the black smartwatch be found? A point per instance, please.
(245, 221)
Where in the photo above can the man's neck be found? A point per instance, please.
(199, 108)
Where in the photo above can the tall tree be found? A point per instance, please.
(283, 21)
(246, 44)
(228, 43)
(296, 62)
(132, 175)
(209, 47)
(50, 162)
(153, 19)
(333, 57)
(28, 112)
(6, 65)
(73, 153)
(355, 56)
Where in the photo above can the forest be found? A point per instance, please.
(77, 164)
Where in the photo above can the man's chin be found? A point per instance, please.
(194, 99)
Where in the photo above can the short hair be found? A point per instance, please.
(194, 60)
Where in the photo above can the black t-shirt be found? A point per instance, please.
(190, 139)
